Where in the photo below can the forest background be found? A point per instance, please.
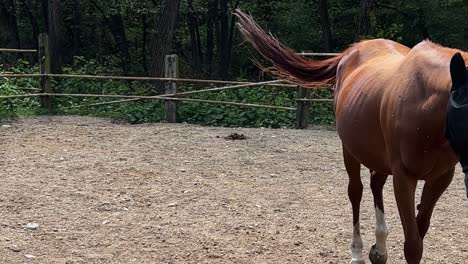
(123, 37)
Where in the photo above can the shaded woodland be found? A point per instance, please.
(124, 37)
(132, 37)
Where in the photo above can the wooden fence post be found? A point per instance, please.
(302, 109)
(44, 67)
(171, 71)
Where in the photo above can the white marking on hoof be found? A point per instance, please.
(381, 233)
(356, 246)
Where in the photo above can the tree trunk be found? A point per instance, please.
(210, 30)
(363, 21)
(76, 28)
(194, 36)
(55, 35)
(223, 48)
(231, 33)
(161, 43)
(9, 37)
(325, 23)
(100, 43)
(117, 27)
(45, 15)
(26, 6)
(144, 39)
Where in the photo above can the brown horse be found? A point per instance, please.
(391, 105)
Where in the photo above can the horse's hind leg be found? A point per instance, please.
(353, 167)
(378, 252)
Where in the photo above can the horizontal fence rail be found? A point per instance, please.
(16, 96)
(130, 98)
(171, 78)
(133, 78)
(165, 98)
(315, 100)
(19, 50)
(200, 91)
(28, 89)
(302, 108)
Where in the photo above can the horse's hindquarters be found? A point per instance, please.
(359, 127)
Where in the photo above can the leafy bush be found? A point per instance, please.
(322, 113)
(11, 108)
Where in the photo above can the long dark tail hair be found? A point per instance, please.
(286, 64)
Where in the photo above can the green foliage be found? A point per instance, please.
(235, 116)
(322, 113)
(11, 108)
(145, 111)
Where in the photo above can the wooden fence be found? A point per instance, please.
(171, 79)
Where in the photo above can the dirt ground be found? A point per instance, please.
(163, 193)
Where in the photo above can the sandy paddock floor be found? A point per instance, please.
(163, 193)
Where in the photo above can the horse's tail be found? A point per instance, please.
(286, 64)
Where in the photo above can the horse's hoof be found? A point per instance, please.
(376, 258)
(357, 262)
